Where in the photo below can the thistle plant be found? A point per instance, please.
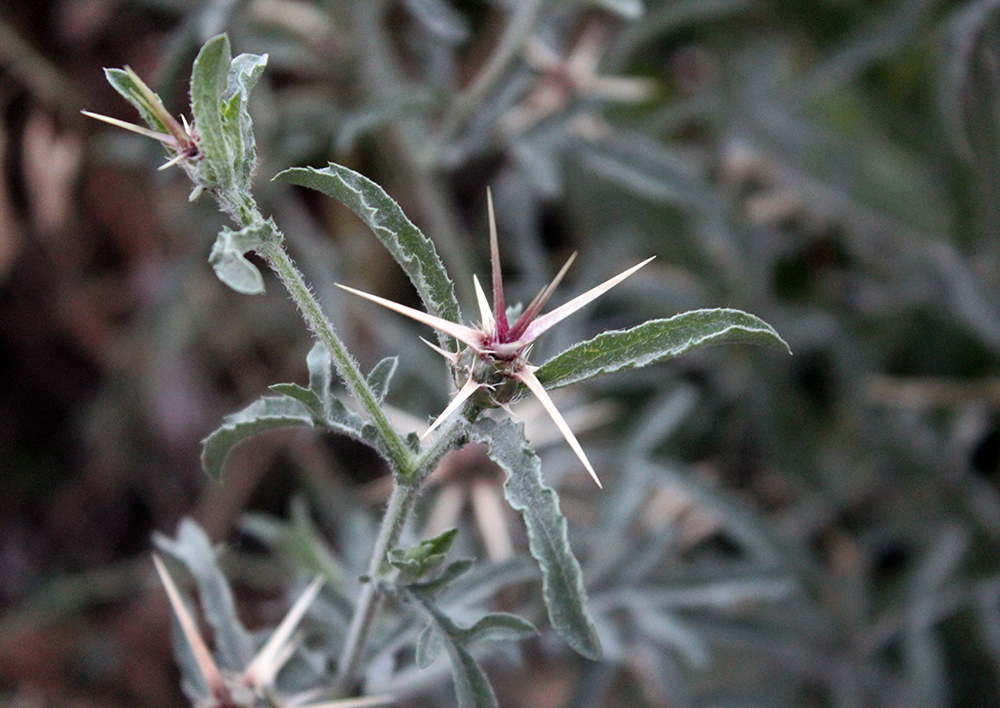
(489, 366)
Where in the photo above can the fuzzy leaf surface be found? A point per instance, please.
(381, 376)
(655, 341)
(414, 252)
(562, 580)
(209, 80)
(244, 72)
(305, 396)
(264, 414)
(229, 263)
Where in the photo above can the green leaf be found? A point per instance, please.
(451, 572)
(320, 365)
(653, 342)
(500, 627)
(424, 557)
(209, 81)
(429, 645)
(414, 252)
(135, 91)
(227, 258)
(381, 376)
(472, 688)
(193, 548)
(267, 413)
(562, 581)
(244, 72)
(305, 396)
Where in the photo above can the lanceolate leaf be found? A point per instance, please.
(655, 341)
(267, 413)
(243, 75)
(134, 91)
(193, 548)
(381, 376)
(472, 688)
(562, 581)
(500, 627)
(209, 80)
(412, 250)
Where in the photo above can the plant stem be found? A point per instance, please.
(404, 493)
(400, 503)
(400, 457)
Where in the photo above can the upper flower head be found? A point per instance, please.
(500, 348)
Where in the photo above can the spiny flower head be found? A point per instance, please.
(497, 352)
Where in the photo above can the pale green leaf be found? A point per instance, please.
(629, 9)
(451, 572)
(243, 75)
(267, 413)
(229, 263)
(655, 341)
(193, 548)
(429, 645)
(209, 81)
(414, 252)
(472, 687)
(305, 396)
(381, 376)
(562, 581)
(136, 92)
(500, 627)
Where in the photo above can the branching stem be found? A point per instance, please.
(401, 459)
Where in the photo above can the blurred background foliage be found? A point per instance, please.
(814, 530)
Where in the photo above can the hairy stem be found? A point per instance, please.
(404, 493)
(399, 455)
(400, 504)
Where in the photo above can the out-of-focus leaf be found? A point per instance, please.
(440, 19)
(320, 365)
(472, 688)
(655, 341)
(628, 9)
(413, 251)
(500, 627)
(424, 557)
(192, 547)
(562, 581)
(429, 645)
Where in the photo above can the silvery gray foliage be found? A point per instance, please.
(217, 150)
(792, 188)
